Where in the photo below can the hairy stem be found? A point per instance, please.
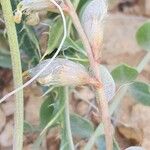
(101, 100)
(17, 73)
(115, 104)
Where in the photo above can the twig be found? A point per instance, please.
(115, 103)
(17, 73)
(101, 100)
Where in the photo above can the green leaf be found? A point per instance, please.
(27, 127)
(5, 59)
(100, 143)
(32, 35)
(81, 127)
(46, 110)
(141, 92)
(143, 36)
(124, 73)
(76, 45)
(55, 35)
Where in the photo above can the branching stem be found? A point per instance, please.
(115, 103)
(101, 100)
(67, 120)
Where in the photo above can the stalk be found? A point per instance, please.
(17, 73)
(101, 100)
(115, 104)
(66, 120)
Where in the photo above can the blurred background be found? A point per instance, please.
(132, 120)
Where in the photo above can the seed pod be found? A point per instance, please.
(62, 72)
(108, 83)
(134, 148)
(92, 22)
(37, 5)
(30, 8)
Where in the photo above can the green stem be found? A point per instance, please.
(143, 62)
(75, 3)
(17, 72)
(114, 105)
(67, 120)
(66, 130)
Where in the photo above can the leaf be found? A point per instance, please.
(46, 110)
(27, 46)
(100, 143)
(32, 35)
(55, 35)
(27, 127)
(124, 73)
(141, 92)
(81, 127)
(143, 36)
(69, 43)
(5, 59)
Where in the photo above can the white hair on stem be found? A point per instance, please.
(39, 73)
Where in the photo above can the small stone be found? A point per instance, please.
(84, 93)
(2, 119)
(32, 109)
(6, 137)
(28, 147)
(82, 108)
(134, 148)
(8, 108)
(147, 7)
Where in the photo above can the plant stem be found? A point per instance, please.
(66, 135)
(115, 104)
(144, 61)
(101, 100)
(17, 73)
(67, 120)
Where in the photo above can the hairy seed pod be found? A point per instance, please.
(108, 83)
(38, 5)
(92, 22)
(62, 72)
(135, 148)
(30, 8)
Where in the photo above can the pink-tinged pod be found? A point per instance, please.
(92, 22)
(62, 72)
(108, 83)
